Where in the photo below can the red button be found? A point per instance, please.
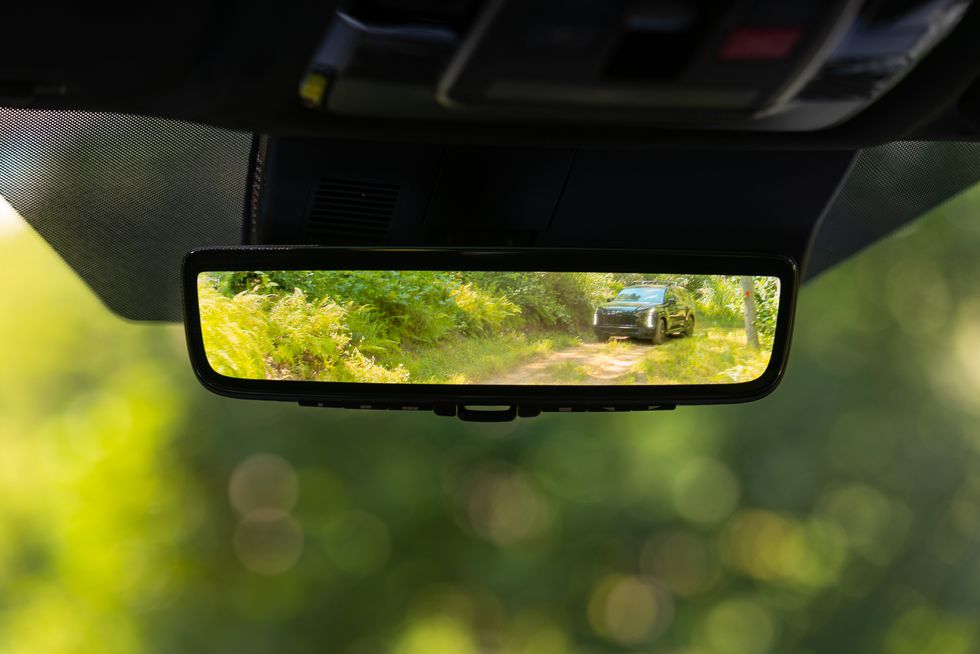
(760, 43)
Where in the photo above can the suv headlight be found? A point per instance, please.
(650, 315)
(595, 317)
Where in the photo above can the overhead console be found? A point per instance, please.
(767, 65)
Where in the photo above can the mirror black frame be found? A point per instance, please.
(518, 400)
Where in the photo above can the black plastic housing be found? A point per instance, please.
(516, 400)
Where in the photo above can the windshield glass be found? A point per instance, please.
(138, 506)
(653, 295)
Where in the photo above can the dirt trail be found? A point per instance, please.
(602, 363)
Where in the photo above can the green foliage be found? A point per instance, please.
(404, 307)
(482, 312)
(308, 338)
(538, 307)
(390, 318)
(720, 300)
(369, 332)
(140, 514)
(413, 306)
(285, 336)
(547, 301)
(766, 304)
(236, 332)
(578, 294)
(714, 355)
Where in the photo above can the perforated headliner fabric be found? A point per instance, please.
(887, 187)
(123, 198)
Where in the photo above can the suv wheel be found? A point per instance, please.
(689, 326)
(660, 332)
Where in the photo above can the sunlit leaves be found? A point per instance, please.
(285, 336)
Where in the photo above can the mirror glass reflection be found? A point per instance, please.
(485, 327)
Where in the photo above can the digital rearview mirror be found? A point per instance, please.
(457, 330)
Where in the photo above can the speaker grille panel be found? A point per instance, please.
(346, 212)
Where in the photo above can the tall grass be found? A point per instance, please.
(274, 336)
(711, 356)
(236, 332)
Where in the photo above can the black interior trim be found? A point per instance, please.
(245, 77)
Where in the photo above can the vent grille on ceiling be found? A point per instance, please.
(345, 212)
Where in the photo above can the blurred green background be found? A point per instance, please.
(138, 513)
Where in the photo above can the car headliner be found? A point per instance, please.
(144, 149)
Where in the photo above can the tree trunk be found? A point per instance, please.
(748, 294)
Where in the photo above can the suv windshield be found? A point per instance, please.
(138, 506)
(653, 295)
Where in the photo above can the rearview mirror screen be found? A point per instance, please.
(488, 328)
